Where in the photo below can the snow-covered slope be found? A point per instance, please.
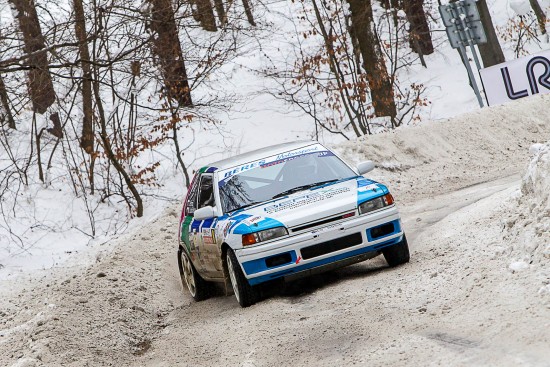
(527, 228)
(458, 152)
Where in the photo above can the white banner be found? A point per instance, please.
(517, 79)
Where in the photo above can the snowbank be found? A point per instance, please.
(527, 228)
(443, 156)
(530, 221)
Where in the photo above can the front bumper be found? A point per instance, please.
(338, 244)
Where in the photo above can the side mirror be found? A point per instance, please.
(204, 213)
(364, 167)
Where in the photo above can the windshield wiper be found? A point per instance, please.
(246, 205)
(303, 187)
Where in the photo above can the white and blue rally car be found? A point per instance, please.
(285, 211)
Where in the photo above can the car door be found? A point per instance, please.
(208, 247)
(190, 227)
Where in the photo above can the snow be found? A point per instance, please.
(521, 7)
(518, 266)
(527, 227)
(49, 226)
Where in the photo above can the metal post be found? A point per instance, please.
(462, 50)
(466, 28)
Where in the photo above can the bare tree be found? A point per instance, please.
(40, 82)
(373, 61)
(204, 14)
(220, 9)
(6, 104)
(491, 52)
(167, 47)
(420, 38)
(87, 136)
(248, 12)
(541, 16)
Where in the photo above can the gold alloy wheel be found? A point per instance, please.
(233, 276)
(188, 275)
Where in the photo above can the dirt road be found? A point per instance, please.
(455, 304)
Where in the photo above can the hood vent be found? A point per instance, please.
(323, 221)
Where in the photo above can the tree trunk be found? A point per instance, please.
(40, 85)
(420, 38)
(248, 12)
(220, 9)
(205, 14)
(87, 137)
(6, 104)
(167, 47)
(541, 17)
(373, 60)
(491, 52)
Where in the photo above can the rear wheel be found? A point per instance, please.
(245, 293)
(397, 254)
(198, 287)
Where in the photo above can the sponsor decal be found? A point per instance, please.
(324, 229)
(517, 79)
(253, 220)
(311, 198)
(298, 152)
(208, 236)
(298, 259)
(194, 240)
(372, 187)
(226, 228)
(213, 231)
(273, 160)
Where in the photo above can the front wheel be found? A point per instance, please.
(190, 279)
(397, 254)
(245, 293)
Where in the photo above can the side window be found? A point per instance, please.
(191, 204)
(206, 193)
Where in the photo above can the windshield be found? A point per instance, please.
(278, 175)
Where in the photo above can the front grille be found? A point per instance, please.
(323, 221)
(331, 246)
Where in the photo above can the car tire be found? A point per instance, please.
(397, 254)
(190, 279)
(244, 292)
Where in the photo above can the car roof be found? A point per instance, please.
(259, 153)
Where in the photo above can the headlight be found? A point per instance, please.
(375, 204)
(266, 235)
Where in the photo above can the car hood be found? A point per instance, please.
(307, 206)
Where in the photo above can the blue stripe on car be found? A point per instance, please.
(259, 265)
(208, 223)
(195, 225)
(238, 219)
(363, 196)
